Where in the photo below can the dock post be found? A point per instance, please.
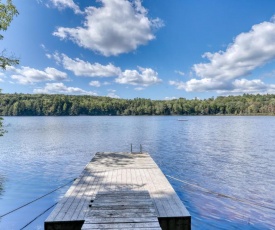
(131, 148)
(140, 148)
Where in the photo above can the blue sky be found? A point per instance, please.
(150, 49)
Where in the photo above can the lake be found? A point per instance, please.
(232, 155)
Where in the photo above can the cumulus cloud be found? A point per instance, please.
(248, 51)
(83, 68)
(249, 86)
(170, 98)
(142, 76)
(179, 72)
(106, 83)
(201, 85)
(95, 83)
(27, 75)
(112, 93)
(118, 26)
(178, 84)
(2, 75)
(62, 4)
(225, 70)
(60, 88)
(139, 88)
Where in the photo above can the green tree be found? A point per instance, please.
(7, 12)
(2, 131)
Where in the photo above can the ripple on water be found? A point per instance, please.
(230, 155)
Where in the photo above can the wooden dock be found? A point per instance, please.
(120, 191)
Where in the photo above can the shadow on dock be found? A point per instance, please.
(119, 173)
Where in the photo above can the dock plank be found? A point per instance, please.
(61, 206)
(152, 225)
(137, 202)
(120, 172)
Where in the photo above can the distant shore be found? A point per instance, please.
(71, 105)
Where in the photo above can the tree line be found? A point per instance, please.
(7, 12)
(71, 105)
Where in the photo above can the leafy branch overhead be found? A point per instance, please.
(7, 13)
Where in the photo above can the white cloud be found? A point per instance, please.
(106, 83)
(139, 88)
(62, 4)
(201, 85)
(142, 76)
(249, 86)
(248, 51)
(27, 75)
(49, 56)
(112, 93)
(95, 83)
(179, 72)
(83, 68)
(2, 75)
(60, 88)
(178, 84)
(43, 47)
(118, 26)
(170, 98)
(238, 86)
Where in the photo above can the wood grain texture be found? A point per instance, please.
(138, 211)
(112, 172)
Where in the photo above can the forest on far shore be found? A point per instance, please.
(71, 105)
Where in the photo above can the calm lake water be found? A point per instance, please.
(229, 155)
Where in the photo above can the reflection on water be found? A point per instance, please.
(230, 155)
(1, 185)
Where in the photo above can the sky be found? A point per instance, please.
(152, 49)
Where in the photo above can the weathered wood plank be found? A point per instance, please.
(123, 207)
(60, 209)
(98, 220)
(124, 203)
(78, 205)
(139, 193)
(121, 172)
(70, 206)
(89, 194)
(117, 213)
(125, 196)
(154, 225)
(161, 195)
(112, 216)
